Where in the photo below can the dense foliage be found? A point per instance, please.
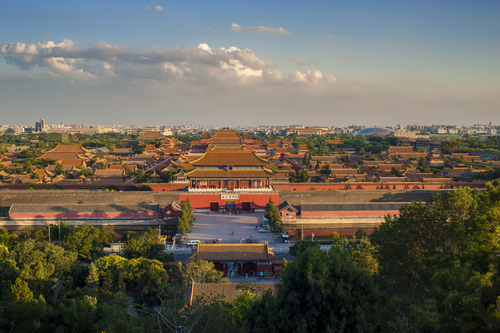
(432, 268)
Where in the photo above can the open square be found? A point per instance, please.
(210, 226)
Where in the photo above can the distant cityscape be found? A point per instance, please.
(412, 131)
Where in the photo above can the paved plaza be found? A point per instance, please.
(210, 226)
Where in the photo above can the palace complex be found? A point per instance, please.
(227, 166)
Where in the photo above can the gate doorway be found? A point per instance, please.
(214, 206)
(230, 205)
(245, 206)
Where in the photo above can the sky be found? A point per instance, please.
(235, 63)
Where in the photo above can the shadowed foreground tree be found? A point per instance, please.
(439, 262)
(321, 292)
(201, 271)
(147, 245)
(88, 241)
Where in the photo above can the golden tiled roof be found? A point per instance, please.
(399, 149)
(66, 152)
(151, 136)
(219, 173)
(233, 158)
(235, 252)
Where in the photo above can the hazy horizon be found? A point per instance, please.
(224, 64)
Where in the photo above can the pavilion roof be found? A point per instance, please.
(284, 205)
(355, 207)
(151, 136)
(401, 149)
(66, 152)
(219, 173)
(234, 158)
(234, 252)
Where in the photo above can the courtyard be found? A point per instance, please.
(229, 228)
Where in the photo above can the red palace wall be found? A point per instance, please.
(352, 213)
(341, 232)
(202, 201)
(83, 215)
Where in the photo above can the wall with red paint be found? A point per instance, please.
(202, 201)
(83, 215)
(341, 232)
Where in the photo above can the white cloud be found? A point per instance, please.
(45, 35)
(345, 56)
(155, 8)
(214, 69)
(297, 60)
(211, 30)
(237, 27)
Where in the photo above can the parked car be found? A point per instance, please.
(264, 230)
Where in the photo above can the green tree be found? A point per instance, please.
(302, 246)
(395, 171)
(88, 241)
(318, 165)
(21, 291)
(346, 158)
(85, 172)
(326, 169)
(450, 146)
(42, 264)
(102, 166)
(189, 210)
(147, 245)
(273, 216)
(58, 169)
(362, 253)
(201, 271)
(8, 240)
(186, 217)
(92, 279)
(304, 300)
(240, 307)
(307, 159)
(360, 233)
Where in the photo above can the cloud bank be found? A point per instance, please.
(155, 8)
(190, 68)
(297, 60)
(237, 27)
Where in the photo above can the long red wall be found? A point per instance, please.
(202, 201)
(82, 215)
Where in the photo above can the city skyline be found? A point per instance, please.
(145, 63)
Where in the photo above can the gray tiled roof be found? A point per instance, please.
(84, 208)
(372, 206)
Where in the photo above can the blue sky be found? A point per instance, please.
(331, 63)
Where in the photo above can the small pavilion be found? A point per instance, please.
(251, 259)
